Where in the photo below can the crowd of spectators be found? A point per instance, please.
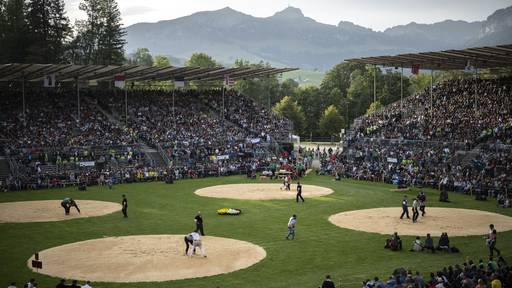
(484, 274)
(454, 112)
(452, 147)
(199, 133)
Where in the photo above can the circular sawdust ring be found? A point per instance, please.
(50, 210)
(261, 191)
(146, 258)
(454, 221)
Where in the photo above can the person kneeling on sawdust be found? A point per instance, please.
(196, 243)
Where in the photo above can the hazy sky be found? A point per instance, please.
(375, 14)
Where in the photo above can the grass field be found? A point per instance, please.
(305, 77)
(320, 248)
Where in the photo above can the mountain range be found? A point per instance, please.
(288, 38)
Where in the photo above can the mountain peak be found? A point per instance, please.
(290, 12)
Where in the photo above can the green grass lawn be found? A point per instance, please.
(320, 248)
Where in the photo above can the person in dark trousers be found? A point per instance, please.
(299, 193)
(491, 241)
(125, 206)
(199, 223)
(423, 199)
(189, 241)
(405, 209)
(415, 211)
(67, 203)
(328, 282)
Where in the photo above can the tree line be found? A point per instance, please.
(38, 31)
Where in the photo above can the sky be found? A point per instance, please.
(375, 14)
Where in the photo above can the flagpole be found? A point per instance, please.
(23, 95)
(374, 83)
(126, 104)
(401, 89)
(173, 108)
(431, 83)
(78, 98)
(476, 89)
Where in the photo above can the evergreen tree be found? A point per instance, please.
(48, 29)
(111, 41)
(100, 38)
(14, 32)
(3, 23)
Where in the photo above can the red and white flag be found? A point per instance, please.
(415, 69)
(119, 81)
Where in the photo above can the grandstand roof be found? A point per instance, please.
(71, 72)
(479, 57)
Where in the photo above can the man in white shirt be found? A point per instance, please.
(87, 285)
(291, 227)
(196, 243)
(415, 212)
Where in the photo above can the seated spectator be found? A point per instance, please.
(394, 243)
(87, 285)
(74, 284)
(444, 243)
(13, 285)
(62, 284)
(328, 283)
(495, 283)
(481, 284)
(429, 244)
(417, 246)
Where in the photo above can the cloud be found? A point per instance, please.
(136, 10)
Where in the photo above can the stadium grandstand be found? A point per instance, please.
(71, 130)
(455, 135)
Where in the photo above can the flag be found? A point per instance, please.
(228, 81)
(415, 69)
(119, 81)
(179, 82)
(49, 81)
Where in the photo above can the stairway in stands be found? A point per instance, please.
(153, 157)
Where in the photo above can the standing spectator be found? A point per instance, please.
(13, 285)
(291, 227)
(328, 282)
(199, 223)
(125, 206)
(491, 241)
(87, 285)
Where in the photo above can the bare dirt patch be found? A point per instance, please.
(454, 221)
(146, 258)
(261, 191)
(50, 210)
